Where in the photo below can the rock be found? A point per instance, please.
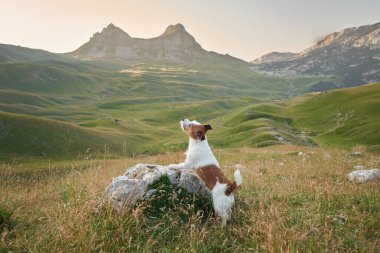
(361, 176)
(132, 186)
(356, 154)
(191, 183)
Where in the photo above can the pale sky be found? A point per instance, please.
(242, 28)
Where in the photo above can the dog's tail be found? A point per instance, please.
(232, 186)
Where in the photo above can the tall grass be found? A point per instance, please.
(288, 203)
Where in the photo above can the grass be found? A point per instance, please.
(287, 203)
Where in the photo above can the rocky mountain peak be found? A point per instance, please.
(173, 29)
(112, 32)
(174, 45)
(178, 38)
(367, 36)
(274, 57)
(111, 26)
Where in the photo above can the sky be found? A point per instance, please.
(245, 29)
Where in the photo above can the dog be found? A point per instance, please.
(200, 158)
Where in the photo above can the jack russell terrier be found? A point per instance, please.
(200, 158)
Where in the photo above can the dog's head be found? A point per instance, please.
(194, 129)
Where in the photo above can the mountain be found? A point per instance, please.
(175, 45)
(274, 57)
(351, 56)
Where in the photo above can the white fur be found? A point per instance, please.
(222, 203)
(238, 178)
(199, 154)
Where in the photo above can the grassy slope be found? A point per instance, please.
(288, 203)
(346, 117)
(28, 135)
(258, 125)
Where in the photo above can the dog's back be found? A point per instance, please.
(211, 174)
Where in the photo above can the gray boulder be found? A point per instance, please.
(361, 176)
(132, 186)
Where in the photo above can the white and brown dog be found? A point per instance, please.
(200, 158)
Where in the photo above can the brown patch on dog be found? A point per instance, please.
(230, 188)
(211, 174)
(198, 132)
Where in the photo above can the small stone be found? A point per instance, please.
(359, 167)
(356, 154)
(149, 193)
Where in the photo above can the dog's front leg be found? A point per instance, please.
(179, 166)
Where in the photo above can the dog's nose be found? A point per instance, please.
(182, 119)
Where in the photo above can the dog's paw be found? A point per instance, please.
(178, 166)
(173, 166)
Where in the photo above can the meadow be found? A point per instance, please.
(289, 202)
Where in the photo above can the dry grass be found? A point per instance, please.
(288, 203)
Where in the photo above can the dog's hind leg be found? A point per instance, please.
(224, 219)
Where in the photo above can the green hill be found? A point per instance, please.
(345, 117)
(34, 136)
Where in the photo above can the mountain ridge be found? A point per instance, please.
(352, 56)
(174, 45)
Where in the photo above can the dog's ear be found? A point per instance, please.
(207, 127)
